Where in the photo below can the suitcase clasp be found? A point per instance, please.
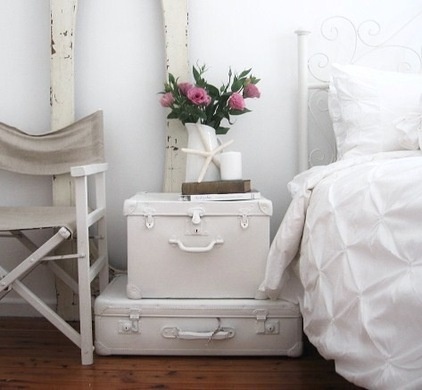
(196, 214)
(149, 218)
(131, 325)
(244, 221)
(134, 319)
(261, 317)
(264, 325)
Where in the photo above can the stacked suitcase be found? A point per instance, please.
(193, 272)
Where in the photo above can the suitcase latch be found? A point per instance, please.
(244, 221)
(264, 325)
(244, 217)
(196, 215)
(130, 326)
(149, 218)
(261, 317)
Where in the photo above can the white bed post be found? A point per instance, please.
(302, 114)
(175, 17)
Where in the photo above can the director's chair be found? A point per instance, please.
(77, 149)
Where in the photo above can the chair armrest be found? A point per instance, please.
(87, 170)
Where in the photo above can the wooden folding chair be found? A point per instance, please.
(77, 149)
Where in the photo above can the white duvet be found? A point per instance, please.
(358, 226)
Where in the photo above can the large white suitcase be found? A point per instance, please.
(126, 326)
(186, 249)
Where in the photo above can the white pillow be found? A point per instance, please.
(365, 106)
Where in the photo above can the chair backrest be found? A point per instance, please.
(55, 152)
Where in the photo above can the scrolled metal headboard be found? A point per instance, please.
(344, 41)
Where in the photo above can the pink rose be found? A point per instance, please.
(167, 99)
(184, 88)
(236, 102)
(251, 91)
(198, 96)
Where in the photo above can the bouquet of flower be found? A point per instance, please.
(205, 103)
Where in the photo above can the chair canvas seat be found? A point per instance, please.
(27, 218)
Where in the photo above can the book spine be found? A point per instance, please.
(222, 197)
(216, 187)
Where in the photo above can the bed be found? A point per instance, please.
(349, 248)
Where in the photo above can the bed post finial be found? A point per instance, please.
(302, 113)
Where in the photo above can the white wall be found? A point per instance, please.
(120, 68)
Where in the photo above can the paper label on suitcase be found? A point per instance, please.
(194, 326)
(183, 249)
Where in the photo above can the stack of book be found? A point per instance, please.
(219, 190)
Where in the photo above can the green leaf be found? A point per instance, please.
(172, 115)
(245, 73)
(213, 91)
(237, 85)
(171, 78)
(222, 130)
(239, 112)
(196, 74)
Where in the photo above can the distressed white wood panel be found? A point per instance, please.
(175, 16)
(62, 101)
(63, 18)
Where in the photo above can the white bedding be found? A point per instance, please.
(358, 224)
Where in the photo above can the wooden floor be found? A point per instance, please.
(34, 355)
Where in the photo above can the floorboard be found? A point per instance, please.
(34, 355)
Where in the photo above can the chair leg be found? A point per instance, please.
(85, 311)
(86, 273)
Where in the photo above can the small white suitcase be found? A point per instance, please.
(187, 249)
(126, 326)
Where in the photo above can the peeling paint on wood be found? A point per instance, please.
(175, 16)
(63, 18)
(62, 102)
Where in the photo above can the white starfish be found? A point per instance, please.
(210, 155)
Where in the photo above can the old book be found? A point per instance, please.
(216, 187)
(251, 195)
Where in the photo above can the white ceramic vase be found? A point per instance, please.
(201, 137)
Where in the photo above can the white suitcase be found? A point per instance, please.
(184, 249)
(126, 326)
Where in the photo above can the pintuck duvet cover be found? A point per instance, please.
(349, 250)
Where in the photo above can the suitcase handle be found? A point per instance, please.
(196, 249)
(176, 333)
